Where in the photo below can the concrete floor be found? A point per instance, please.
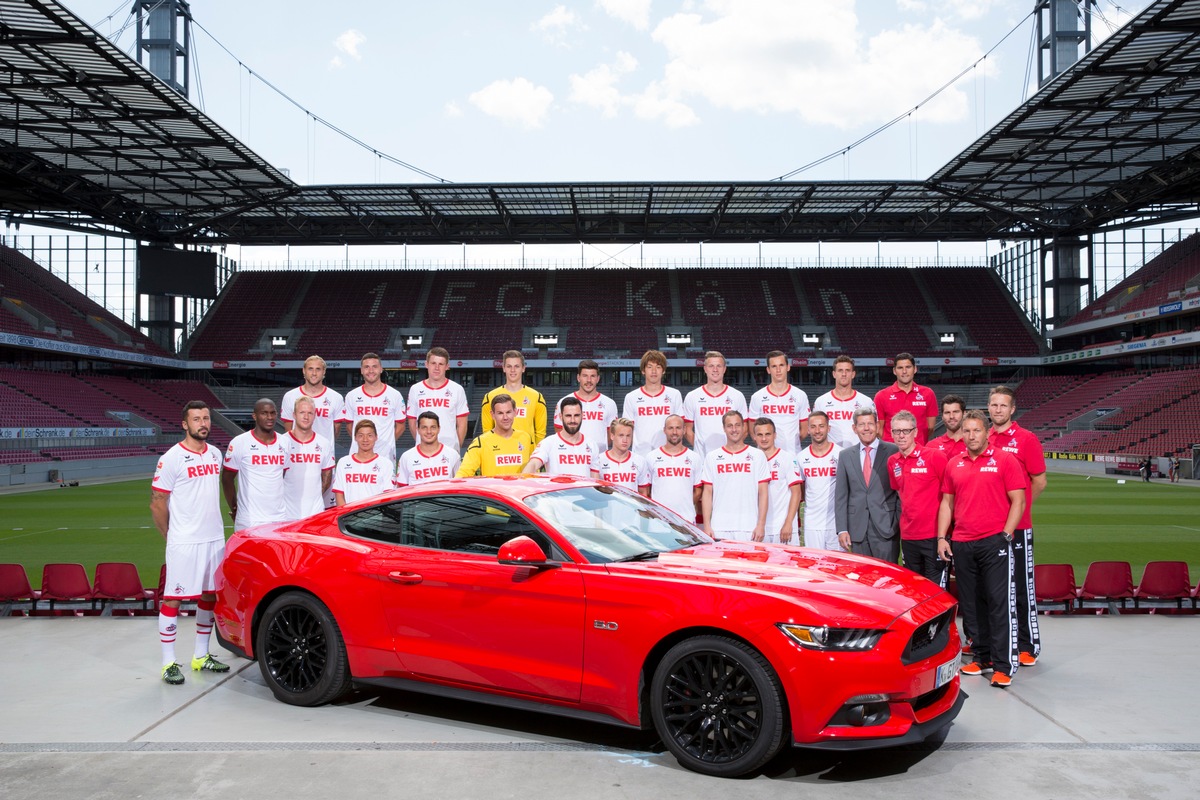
(1109, 712)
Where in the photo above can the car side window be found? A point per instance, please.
(380, 523)
(467, 525)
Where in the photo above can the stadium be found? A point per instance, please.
(120, 299)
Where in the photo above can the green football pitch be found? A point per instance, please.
(1077, 521)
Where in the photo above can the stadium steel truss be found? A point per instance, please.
(91, 141)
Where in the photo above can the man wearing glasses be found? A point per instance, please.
(916, 474)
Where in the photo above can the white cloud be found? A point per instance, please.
(348, 43)
(809, 59)
(597, 88)
(453, 109)
(515, 102)
(656, 103)
(555, 25)
(954, 9)
(337, 63)
(633, 12)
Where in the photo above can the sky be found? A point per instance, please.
(607, 90)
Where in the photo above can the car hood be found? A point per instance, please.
(843, 589)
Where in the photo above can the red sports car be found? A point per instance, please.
(579, 598)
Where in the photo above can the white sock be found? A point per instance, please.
(204, 624)
(166, 635)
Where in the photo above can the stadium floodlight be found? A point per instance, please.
(414, 340)
(279, 341)
(545, 339)
(810, 338)
(679, 339)
(947, 337)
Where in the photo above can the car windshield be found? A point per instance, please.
(608, 524)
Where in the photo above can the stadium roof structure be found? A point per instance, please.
(90, 140)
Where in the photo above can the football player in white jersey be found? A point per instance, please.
(675, 472)
(378, 402)
(736, 486)
(650, 404)
(309, 476)
(782, 403)
(431, 459)
(619, 464)
(186, 507)
(705, 407)
(568, 452)
(599, 410)
(442, 396)
(783, 496)
(364, 473)
(327, 404)
(818, 475)
(255, 462)
(840, 404)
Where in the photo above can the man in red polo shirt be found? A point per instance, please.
(951, 442)
(983, 491)
(906, 395)
(916, 474)
(1010, 437)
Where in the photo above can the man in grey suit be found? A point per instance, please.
(866, 507)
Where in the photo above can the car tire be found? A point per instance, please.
(301, 652)
(718, 707)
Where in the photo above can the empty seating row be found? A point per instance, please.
(66, 588)
(1108, 586)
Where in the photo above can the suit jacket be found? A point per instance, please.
(861, 509)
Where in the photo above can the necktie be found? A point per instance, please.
(867, 466)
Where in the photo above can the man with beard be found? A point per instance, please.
(327, 404)
(256, 461)
(818, 473)
(568, 452)
(186, 507)
(951, 442)
(599, 410)
(675, 472)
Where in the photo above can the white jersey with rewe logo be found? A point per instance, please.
(673, 479)
(598, 414)
(357, 480)
(705, 411)
(307, 462)
(384, 409)
(649, 413)
(560, 457)
(259, 466)
(448, 401)
(786, 410)
(819, 476)
(630, 473)
(327, 407)
(414, 467)
(734, 477)
(841, 416)
(193, 481)
(784, 475)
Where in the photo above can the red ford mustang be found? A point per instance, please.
(575, 597)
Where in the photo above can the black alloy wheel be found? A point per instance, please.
(300, 651)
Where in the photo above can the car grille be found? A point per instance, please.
(929, 638)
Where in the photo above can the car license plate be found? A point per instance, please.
(946, 672)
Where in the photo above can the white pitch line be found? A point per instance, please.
(1186, 528)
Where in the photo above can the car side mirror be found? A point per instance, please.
(523, 552)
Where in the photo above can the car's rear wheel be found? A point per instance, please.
(718, 706)
(301, 652)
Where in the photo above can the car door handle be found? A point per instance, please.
(405, 577)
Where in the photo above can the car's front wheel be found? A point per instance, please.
(718, 706)
(301, 652)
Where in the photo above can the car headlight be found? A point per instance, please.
(823, 637)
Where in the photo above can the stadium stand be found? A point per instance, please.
(975, 300)
(1170, 271)
(38, 303)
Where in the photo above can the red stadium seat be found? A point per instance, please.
(1108, 586)
(16, 595)
(119, 587)
(1165, 584)
(1055, 584)
(66, 587)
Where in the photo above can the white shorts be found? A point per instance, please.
(822, 540)
(192, 569)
